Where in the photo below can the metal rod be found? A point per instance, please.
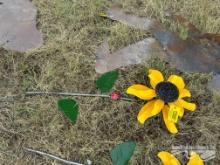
(52, 156)
(32, 93)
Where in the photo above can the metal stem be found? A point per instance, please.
(32, 93)
(52, 156)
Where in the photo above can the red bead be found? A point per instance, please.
(115, 96)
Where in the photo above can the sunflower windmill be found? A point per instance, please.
(164, 96)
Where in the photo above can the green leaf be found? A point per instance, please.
(69, 108)
(106, 81)
(122, 153)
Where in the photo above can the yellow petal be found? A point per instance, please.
(195, 159)
(184, 93)
(155, 77)
(141, 91)
(170, 125)
(178, 81)
(146, 111)
(181, 112)
(184, 104)
(158, 106)
(167, 158)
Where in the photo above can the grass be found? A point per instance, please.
(72, 32)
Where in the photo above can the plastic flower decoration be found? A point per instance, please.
(166, 96)
(169, 159)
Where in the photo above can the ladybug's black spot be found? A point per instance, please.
(167, 92)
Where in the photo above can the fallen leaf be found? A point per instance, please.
(69, 108)
(132, 54)
(192, 29)
(18, 25)
(211, 37)
(192, 54)
(107, 81)
(122, 153)
(115, 13)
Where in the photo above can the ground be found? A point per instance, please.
(72, 32)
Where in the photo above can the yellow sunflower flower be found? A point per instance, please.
(166, 96)
(169, 159)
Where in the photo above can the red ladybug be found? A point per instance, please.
(115, 96)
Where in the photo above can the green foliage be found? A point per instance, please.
(69, 108)
(122, 153)
(106, 81)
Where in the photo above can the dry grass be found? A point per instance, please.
(72, 32)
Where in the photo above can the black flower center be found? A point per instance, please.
(167, 92)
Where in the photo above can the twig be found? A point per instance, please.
(32, 93)
(52, 156)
